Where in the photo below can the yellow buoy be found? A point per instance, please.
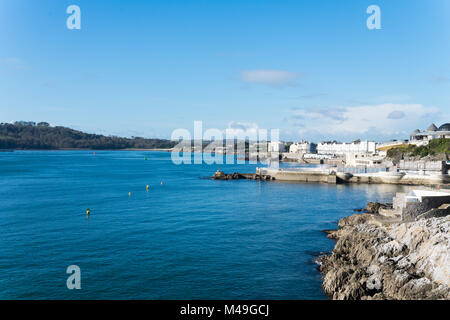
(147, 187)
(88, 211)
(129, 194)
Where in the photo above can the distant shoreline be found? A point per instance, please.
(81, 149)
(42, 136)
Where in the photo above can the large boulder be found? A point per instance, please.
(374, 207)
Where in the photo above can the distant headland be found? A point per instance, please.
(26, 135)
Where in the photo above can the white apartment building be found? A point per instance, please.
(303, 147)
(423, 137)
(364, 160)
(336, 148)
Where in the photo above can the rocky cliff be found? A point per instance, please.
(376, 260)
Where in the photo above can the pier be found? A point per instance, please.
(330, 176)
(303, 175)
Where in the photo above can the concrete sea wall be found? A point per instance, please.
(329, 176)
(317, 177)
(413, 209)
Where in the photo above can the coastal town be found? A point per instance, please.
(362, 155)
(421, 160)
(396, 250)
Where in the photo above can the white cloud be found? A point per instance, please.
(241, 130)
(367, 121)
(15, 63)
(270, 77)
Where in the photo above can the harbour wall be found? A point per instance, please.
(403, 179)
(305, 177)
(331, 177)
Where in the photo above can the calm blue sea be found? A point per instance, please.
(188, 238)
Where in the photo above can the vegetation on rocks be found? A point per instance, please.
(437, 148)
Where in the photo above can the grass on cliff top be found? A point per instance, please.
(435, 147)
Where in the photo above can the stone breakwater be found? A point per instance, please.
(375, 259)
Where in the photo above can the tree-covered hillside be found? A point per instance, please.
(28, 135)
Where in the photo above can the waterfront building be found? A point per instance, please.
(363, 160)
(318, 156)
(303, 147)
(423, 167)
(276, 146)
(261, 146)
(383, 148)
(432, 132)
(336, 148)
(223, 149)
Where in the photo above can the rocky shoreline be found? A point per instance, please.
(220, 175)
(375, 258)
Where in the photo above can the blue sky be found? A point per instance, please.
(310, 68)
